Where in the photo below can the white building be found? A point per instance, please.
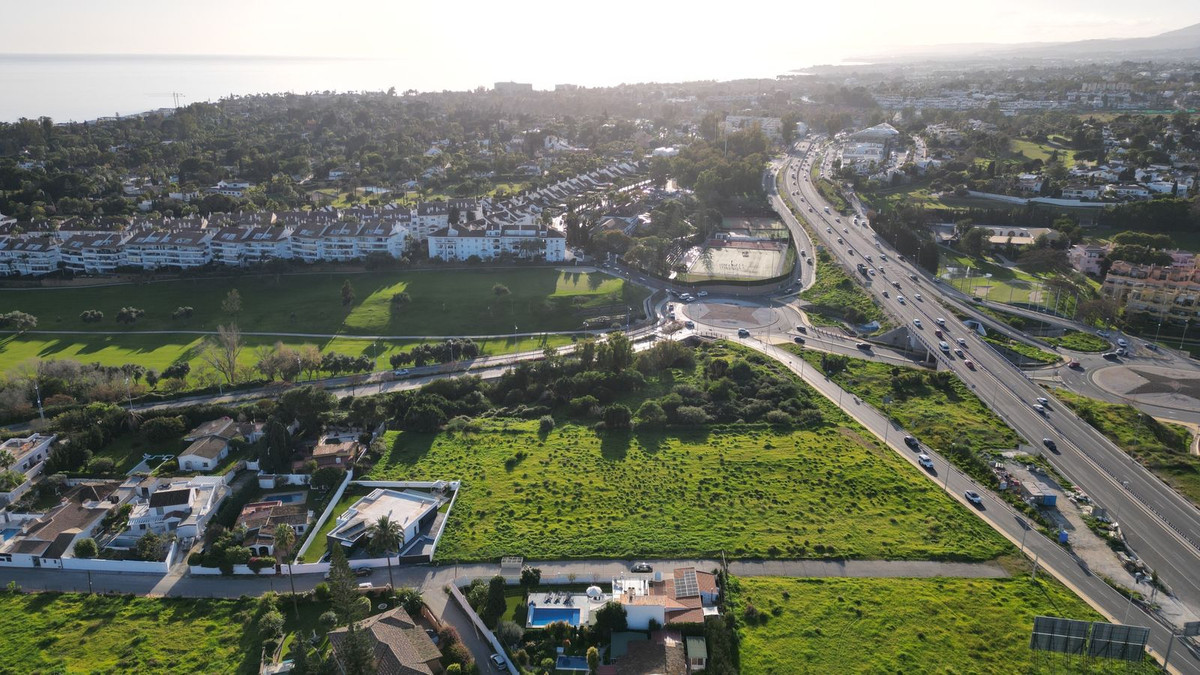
(240, 246)
(152, 249)
(490, 240)
(1082, 192)
(29, 458)
(1086, 257)
(180, 505)
(429, 218)
(29, 256)
(94, 252)
(412, 511)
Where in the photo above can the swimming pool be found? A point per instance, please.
(540, 617)
(285, 497)
(9, 532)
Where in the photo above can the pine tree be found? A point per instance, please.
(342, 590)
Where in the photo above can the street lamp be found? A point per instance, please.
(1186, 323)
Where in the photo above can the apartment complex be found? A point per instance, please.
(1171, 293)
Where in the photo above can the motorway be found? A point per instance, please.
(1162, 527)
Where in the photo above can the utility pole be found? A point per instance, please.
(1035, 564)
(42, 413)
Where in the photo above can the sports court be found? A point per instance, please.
(739, 259)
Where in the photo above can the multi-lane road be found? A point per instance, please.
(1162, 527)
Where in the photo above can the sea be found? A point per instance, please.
(81, 88)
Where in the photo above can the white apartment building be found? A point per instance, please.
(1086, 257)
(94, 252)
(29, 256)
(353, 241)
(1082, 192)
(429, 218)
(249, 245)
(153, 249)
(490, 240)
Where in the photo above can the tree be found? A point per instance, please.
(973, 239)
(177, 370)
(163, 429)
(410, 599)
(343, 591)
(232, 304)
(347, 293)
(609, 619)
(222, 353)
(276, 448)
(328, 477)
(86, 548)
(616, 416)
(18, 321)
(151, 546)
(357, 652)
(530, 577)
(285, 539)
(593, 658)
(306, 404)
(385, 536)
(651, 415)
(495, 606)
(500, 290)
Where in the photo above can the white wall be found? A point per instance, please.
(639, 616)
(316, 527)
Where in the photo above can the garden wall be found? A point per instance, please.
(325, 515)
(481, 629)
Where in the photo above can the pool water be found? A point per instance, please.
(540, 617)
(285, 497)
(9, 532)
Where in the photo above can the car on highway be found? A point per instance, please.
(1044, 401)
(829, 230)
(871, 271)
(900, 299)
(742, 332)
(801, 329)
(913, 277)
(885, 294)
(1111, 356)
(1076, 365)
(896, 285)
(810, 209)
(641, 567)
(925, 461)
(845, 231)
(917, 323)
(703, 294)
(944, 347)
(1050, 445)
(840, 240)
(973, 497)
(1040, 408)
(969, 364)
(937, 332)
(961, 343)
(865, 346)
(850, 251)
(940, 321)
(400, 372)
(883, 257)
(912, 443)
(798, 340)
(959, 353)
(919, 298)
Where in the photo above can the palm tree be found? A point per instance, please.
(386, 534)
(285, 539)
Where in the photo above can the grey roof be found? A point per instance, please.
(175, 497)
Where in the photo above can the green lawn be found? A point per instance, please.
(1028, 351)
(896, 625)
(100, 634)
(1080, 341)
(459, 302)
(1041, 151)
(450, 302)
(1161, 446)
(744, 491)
(939, 415)
(834, 295)
(320, 544)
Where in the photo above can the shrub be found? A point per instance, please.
(546, 424)
(86, 548)
(690, 415)
(321, 591)
(258, 564)
(447, 636)
(328, 619)
(91, 316)
(651, 415)
(101, 465)
(617, 417)
(164, 429)
(778, 418)
(270, 625)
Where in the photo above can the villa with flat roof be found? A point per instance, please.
(414, 511)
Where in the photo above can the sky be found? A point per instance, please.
(548, 42)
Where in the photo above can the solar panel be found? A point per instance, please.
(1065, 636)
(1114, 641)
(686, 585)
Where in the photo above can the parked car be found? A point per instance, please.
(365, 586)
(703, 294)
(973, 497)
(641, 567)
(1122, 342)
(912, 442)
(363, 571)
(497, 661)
(689, 324)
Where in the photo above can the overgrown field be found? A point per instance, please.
(747, 492)
(894, 625)
(835, 294)
(1161, 446)
(1080, 341)
(50, 632)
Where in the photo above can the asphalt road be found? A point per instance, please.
(1159, 524)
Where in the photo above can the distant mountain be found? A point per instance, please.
(1180, 44)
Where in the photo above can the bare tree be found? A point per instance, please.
(222, 353)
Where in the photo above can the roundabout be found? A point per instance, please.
(732, 314)
(1151, 385)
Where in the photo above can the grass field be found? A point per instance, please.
(320, 544)
(834, 295)
(50, 632)
(458, 302)
(937, 416)
(896, 625)
(1079, 341)
(1161, 446)
(744, 491)
(1041, 151)
(1028, 351)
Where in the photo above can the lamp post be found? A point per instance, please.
(1186, 323)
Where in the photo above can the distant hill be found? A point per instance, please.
(1180, 44)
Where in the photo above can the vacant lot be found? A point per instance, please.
(458, 302)
(77, 633)
(895, 625)
(1161, 446)
(835, 295)
(939, 414)
(1080, 341)
(744, 491)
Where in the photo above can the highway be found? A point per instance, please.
(1162, 527)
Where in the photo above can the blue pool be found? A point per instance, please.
(539, 617)
(577, 664)
(285, 497)
(9, 532)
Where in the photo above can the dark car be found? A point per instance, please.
(865, 346)
(801, 329)
(798, 340)
(363, 571)
(912, 442)
(1050, 445)
(641, 567)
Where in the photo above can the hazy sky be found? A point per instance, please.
(557, 41)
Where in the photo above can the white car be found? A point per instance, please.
(1040, 408)
(900, 299)
(917, 323)
(919, 298)
(1044, 401)
(703, 294)
(925, 460)
(940, 321)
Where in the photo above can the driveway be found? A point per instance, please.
(480, 649)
